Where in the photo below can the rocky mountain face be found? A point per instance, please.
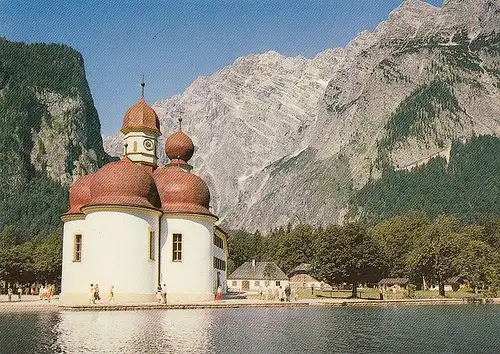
(49, 135)
(49, 123)
(292, 139)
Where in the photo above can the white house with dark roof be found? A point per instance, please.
(256, 276)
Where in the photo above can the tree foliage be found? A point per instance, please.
(347, 254)
(396, 237)
(425, 250)
(468, 187)
(38, 260)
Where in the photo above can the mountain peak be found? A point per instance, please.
(400, 94)
(475, 15)
(414, 4)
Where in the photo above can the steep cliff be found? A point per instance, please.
(290, 139)
(49, 134)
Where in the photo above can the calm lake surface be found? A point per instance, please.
(426, 329)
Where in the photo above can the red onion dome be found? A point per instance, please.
(124, 183)
(182, 191)
(141, 117)
(79, 194)
(179, 146)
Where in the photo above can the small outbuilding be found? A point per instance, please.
(256, 277)
(456, 283)
(300, 277)
(450, 284)
(394, 284)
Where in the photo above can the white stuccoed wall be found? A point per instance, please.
(115, 250)
(256, 288)
(193, 278)
(71, 270)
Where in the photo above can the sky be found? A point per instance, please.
(174, 42)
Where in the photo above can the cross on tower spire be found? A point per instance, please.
(180, 118)
(142, 86)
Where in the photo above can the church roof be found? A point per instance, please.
(124, 183)
(141, 117)
(179, 146)
(247, 271)
(79, 194)
(182, 191)
(172, 188)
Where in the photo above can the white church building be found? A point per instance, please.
(134, 225)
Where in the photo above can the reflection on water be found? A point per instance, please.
(174, 331)
(439, 329)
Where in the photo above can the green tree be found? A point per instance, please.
(294, 247)
(47, 259)
(258, 245)
(396, 238)
(479, 263)
(241, 246)
(346, 254)
(16, 264)
(435, 252)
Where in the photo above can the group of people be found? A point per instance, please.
(94, 293)
(161, 294)
(45, 292)
(10, 292)
(279, 294)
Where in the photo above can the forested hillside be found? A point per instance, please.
(49, 135)
(467, 186)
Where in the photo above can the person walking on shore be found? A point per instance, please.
(158, 294)
(218, 294)
(381, 293)
(164, 294)
(111, 294)
(288, 292)
(96, 293)
(9, 294)
(91, 294)
(19, 293)
(51, 291)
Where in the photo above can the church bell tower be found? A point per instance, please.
(141, 128)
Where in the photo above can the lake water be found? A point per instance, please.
(424, 329)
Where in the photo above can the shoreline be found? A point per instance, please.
(55, 306)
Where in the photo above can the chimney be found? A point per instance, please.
(253, 263)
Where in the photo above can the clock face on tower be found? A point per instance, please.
(148, 144)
